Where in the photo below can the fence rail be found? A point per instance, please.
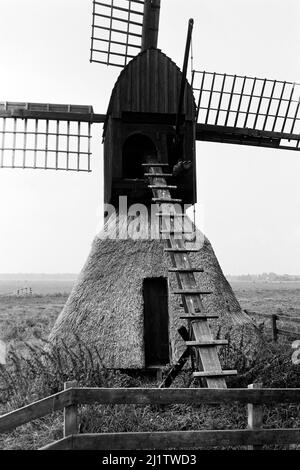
(70, 398)
(279, 317)
(22, 292)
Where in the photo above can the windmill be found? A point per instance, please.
(138, 299)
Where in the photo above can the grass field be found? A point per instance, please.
(268, 297)
(28, 320)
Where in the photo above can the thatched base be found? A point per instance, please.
(105, 308)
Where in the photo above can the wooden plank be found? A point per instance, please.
(186, 270)
(172, 374)
(181, 233)
(192, 304)
(51, 115)
(154, 165)
(191, 292)
(255, 416)
(62, 444)
(214, 342)
(70, 413)
(171, 215)
(166, 200)
(154, 396)
(182, 250)
(199, 317)
(216, 373)
(184, 439)
(159, 175)
(35, 410)
(283, 332)
(226, 134)
(176, 368)
(251, 312)
(280, 317)
(162, 187)
(288, 318)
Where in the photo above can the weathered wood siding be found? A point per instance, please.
(150, 84)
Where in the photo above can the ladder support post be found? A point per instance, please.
(255, 416)
(207, 353)
(70, 413)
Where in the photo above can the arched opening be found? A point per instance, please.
(135, 151)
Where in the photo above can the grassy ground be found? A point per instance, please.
(268, 297)
(25, 324)
(28, 319)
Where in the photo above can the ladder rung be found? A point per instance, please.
(158, 186)
(165, 200)
(175, 232)
(170, 214)
(155, 164)
(220, 373)
(186, 270)
(214, 342)
(199, 317)
(159, 175)
(191, 292)
(182, 250)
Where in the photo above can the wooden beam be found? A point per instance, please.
(205, 316)
(215, 374)
(214, 342)
(184, 439)
(283, 332)
(255, 415)
(63, 444)
(35, 410)
(154, 396)
(52, 116)
(70, 413)
(243, 136)
(185, 270)
(280, 316)
(150, 24)
(173, 373)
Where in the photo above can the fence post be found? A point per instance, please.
(255, 416)
(70, 414)
(274, 327)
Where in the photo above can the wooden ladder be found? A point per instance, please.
(201, 338)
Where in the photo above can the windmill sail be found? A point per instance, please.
(46, 136)
(247, 110)
(116, 31)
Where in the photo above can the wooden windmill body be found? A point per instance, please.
(135, 292)
(126, 288)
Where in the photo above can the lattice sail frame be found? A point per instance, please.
(45, 136)
(116, 31)
(241, 102)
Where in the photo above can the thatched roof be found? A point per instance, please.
(105, 308)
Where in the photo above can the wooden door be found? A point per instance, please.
(156, 321)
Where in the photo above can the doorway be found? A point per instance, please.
(156, 321)
(135, 150)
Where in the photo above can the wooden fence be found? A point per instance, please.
(72, 397)
(22, 292)
(293, 324)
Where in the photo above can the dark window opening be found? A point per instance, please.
(135, 152)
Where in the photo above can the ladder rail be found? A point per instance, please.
(209, 359)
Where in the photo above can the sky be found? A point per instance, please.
(249, 198)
